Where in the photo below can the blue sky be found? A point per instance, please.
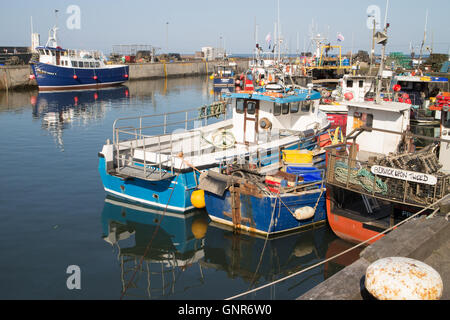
(197, 23)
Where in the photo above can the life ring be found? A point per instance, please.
(265, 124)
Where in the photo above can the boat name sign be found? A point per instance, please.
(404, 175)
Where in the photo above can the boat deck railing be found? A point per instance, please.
(83, 54)
(345, 172)
(144, 145)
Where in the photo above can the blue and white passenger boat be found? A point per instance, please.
(153, 161)
(61, 69)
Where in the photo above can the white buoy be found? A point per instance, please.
(399, 278)
(304, 213)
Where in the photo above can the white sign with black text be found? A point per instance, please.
(404, 175)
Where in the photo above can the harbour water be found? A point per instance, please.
(55, 213)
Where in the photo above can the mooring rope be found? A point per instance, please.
(150, 243)
(337, 255)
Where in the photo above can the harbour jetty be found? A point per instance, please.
(423, 239)
(18, 77)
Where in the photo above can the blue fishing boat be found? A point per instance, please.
(62, 69)
(224, 75)
(269, 204)
(157, 159)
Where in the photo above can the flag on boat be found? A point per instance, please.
(340, 37)
(268, 39)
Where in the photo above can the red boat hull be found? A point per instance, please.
(349, 229)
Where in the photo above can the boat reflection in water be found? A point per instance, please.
(59, 109)
(170, 243)
(258, 261)
(186, 256)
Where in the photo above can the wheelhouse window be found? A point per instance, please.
(362, 119)
(295, 107)
(349, 83)
(368, 120)
(361, 83)
(47, 52)
(446, 119)
(306, 106)
(285, 108)
(53, 53)
(240, 105)
(276, 109)
(251, 107)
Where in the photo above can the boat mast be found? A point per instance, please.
(279, 33)
(382, 39)
(423, 41)
(52, 41)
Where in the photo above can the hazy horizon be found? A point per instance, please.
(186, 27)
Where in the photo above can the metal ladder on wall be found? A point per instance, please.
(370, 203)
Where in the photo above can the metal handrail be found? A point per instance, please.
(129, 138)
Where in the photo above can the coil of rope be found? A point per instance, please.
(221, 139)
(361, 177)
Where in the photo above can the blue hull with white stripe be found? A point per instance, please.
(266, 215)
(52, 77)
(223, 82)
(173, 194)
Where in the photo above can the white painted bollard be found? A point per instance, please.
(399, 278)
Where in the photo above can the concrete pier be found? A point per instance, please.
(17, 77)
(427, 240)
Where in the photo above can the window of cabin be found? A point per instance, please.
(91, 64)
(53, 53)
(306, 106)
(251, 107)
(240, 105)
(361, 83)
(97, 64)
(446, 119)
(368, 120)
(86, 64)
(295, 107)
(75, 64)
(362, 119)
(285, 108)
(47, 52)
(276, 109)
(42, 52)
(349, 83)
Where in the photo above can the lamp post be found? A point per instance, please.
(167, 37)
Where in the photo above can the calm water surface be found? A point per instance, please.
(54, 212)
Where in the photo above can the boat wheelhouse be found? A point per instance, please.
(61, 69)
(419, 91)
(157, 159)
(224, 75)
(350, 88)
(376, 179)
